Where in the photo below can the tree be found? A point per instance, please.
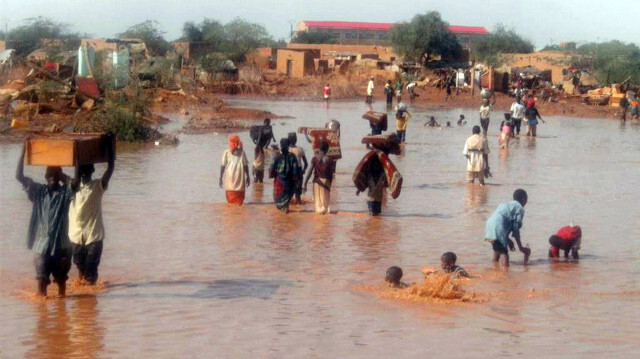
(152, 36)
(614, 61)
(425, 36)
(501, 41)
(27, 37)
(313, 38)
(209, 31)
(242, 37)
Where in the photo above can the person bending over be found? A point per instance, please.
(507, 220)
(567, 238)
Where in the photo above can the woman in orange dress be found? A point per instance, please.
(234, 172)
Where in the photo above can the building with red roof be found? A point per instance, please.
(373, 33)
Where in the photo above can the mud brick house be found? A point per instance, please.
(296, 63)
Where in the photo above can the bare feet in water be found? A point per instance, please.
(527, 253)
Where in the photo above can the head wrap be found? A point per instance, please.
(234, 142)
(531, 103)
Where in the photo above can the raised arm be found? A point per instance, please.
(75, 181)
(20, 170)
(304, 161)
(111, 160)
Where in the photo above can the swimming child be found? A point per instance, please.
(448, 124)
(432, 122)
(393, 277)
(448, 260)
(568, 239)
(448, 265)
(462, 121)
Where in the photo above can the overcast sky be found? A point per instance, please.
(542, 21)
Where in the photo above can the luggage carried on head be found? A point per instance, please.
(378, 119)
(319, 135)
(67, 149)
(388, 143)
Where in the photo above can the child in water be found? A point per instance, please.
(505, 133)
(432, 122)
(462, 121)
(448, 264)
(507, 220)
(568, 238)
(393, 277)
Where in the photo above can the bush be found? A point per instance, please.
(123, 114)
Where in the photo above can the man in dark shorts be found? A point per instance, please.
(48, 234)
(507, 220)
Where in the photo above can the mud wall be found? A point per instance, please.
(384, 52)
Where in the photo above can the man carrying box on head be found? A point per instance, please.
(86, 229)
(48, 227)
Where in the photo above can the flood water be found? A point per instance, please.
(192, 277)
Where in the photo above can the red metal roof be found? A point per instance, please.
(468, 29)
(386, 26)
(350, 25)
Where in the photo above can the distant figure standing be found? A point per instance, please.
(402, 117)
(302, 163)
(506, 220)
(326, 92)
(370, 88)
(285, 172)
(624, 106)
(476, 150)
(266, 134)
(532, 115)
(448, 91)
(505, 135)
(517, 113)
(388, 92)
(411, 88)
(399, 87)
(376, 182)
(485, 112)
(323, 169)
(234, 171)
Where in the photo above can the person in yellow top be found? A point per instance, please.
(402, 117)
(86, 230)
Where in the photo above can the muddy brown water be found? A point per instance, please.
(192, 277)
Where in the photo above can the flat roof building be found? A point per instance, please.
(373, 33)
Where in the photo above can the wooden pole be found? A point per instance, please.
(473, 78)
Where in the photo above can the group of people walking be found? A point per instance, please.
(287, 169)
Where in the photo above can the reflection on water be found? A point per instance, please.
(190, 274)
(219, 289)
(67, 329)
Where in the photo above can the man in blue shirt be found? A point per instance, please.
(505, 220)
(48, 229)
